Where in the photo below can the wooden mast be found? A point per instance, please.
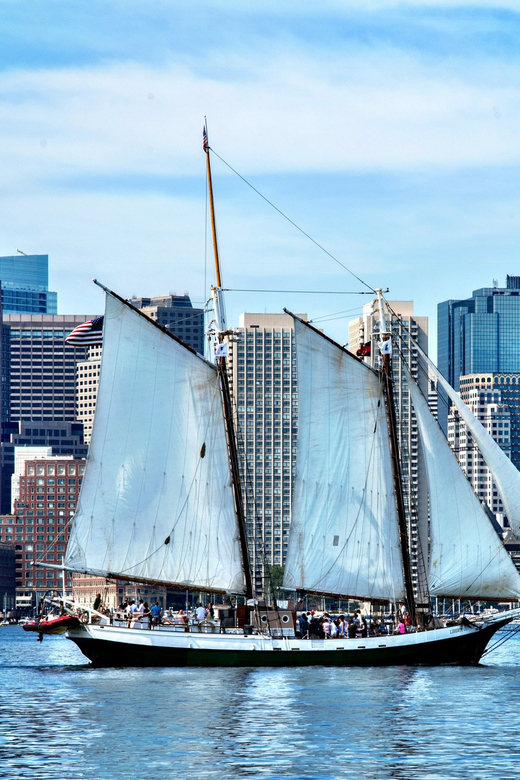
(385, 345)
(224, 386)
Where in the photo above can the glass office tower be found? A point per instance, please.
(479, 334)
(25, 285)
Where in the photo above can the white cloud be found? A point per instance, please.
(372, 110)
(68, 134)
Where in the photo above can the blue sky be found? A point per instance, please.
(388, 131)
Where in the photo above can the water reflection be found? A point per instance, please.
(63, 720)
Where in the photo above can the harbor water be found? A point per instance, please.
(63, 720)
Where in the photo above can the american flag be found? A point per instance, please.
(205, 144)
(87, 334)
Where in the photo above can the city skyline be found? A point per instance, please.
(387, 133)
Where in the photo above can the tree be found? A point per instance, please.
(274, 579)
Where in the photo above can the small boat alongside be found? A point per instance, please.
(51, 624)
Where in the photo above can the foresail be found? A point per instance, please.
(467, 557)
(505, 474)
(156, 502)
(344, 538)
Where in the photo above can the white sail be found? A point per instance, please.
(344, 538)
(505, 474)
(156, 502)
(467, 558)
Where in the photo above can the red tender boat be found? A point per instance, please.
(52, 624)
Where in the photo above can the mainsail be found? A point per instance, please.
(156, 502)
(467, 557)
(344, 538)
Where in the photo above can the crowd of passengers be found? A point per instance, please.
(132, 611)
(309, 625)
(312, 626)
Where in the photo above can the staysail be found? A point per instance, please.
(505, 474)
(344, 538)
(156, 502)
(467, 557)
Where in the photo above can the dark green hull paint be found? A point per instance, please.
(465, 649)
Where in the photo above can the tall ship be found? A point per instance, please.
(161, 503)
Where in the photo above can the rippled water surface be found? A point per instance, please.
(61, 719)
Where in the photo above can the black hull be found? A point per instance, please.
(462, 649)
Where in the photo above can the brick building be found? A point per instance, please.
(48, 495)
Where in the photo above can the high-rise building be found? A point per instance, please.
(24, 281)
(176, 313)
(479, 334)
(43, 366)
(409, 330)
(264, 387)
(39, 381)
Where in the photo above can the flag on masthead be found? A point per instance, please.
(205, 144)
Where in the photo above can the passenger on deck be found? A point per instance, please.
(180, 618)
(156, 613)
(147, 614)
(168, 617)
(131, 612)
(326, 627)
(314, 627)
(303, 626)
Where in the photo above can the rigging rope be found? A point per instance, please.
(294, 224)
(509, 634)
